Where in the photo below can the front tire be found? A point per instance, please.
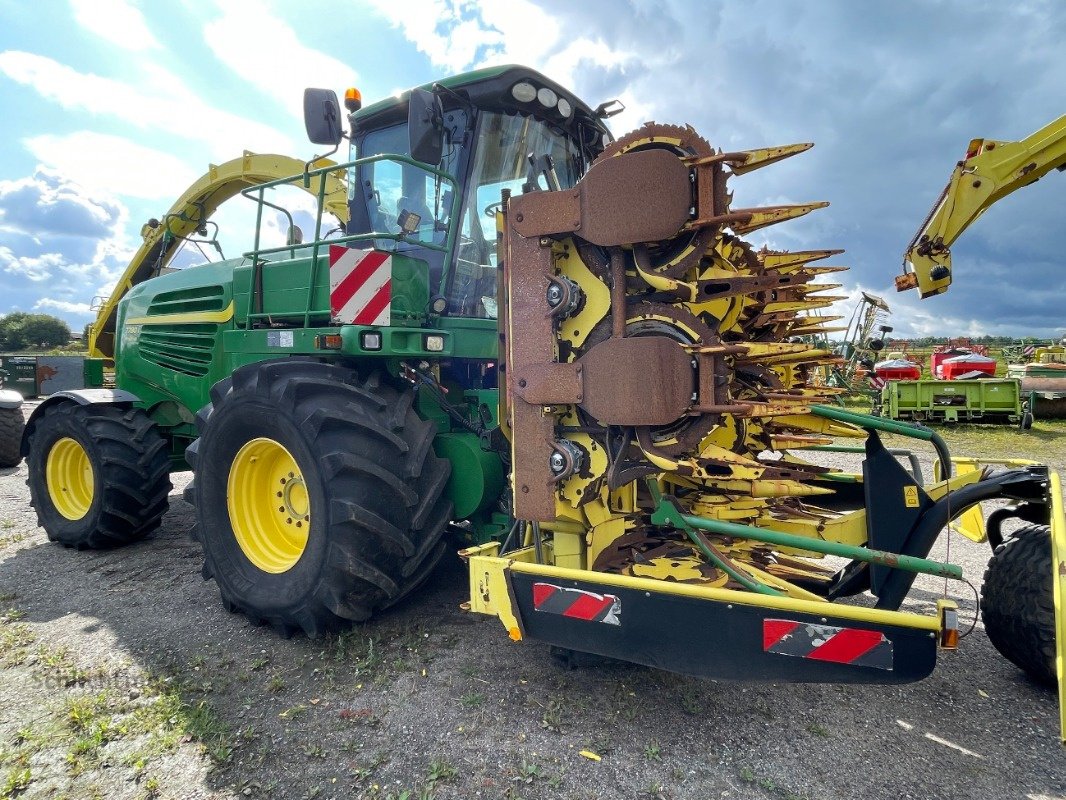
(319, 499)
(1017, 604)
(99, 475)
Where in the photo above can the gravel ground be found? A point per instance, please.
(121, 676)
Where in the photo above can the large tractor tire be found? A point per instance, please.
(319, 499)
(1017, 604)
(99, 475)
(11, 427)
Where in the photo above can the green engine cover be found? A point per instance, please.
(477, 477)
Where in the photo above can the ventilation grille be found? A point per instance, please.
(186, 301)
(181, 348)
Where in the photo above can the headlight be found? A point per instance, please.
(547, 98)
(524, 92)
(564, 107)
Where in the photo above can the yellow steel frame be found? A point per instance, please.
(490, 591)
(1058, 584)
(192, 209)
(994, 170)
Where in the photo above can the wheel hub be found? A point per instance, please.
(69, 476)
(269, 507)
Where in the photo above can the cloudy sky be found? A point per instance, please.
(111, 108)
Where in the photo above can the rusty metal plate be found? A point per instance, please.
(549, 384)
(637, 197)
(527, 266)
(641, 380)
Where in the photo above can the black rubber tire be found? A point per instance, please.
(131, 471)
(375, 488)
(12, 424)
(1017, 605)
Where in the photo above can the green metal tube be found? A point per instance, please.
(744, 580)
(873, 423)
(910, 563)
(869, 422)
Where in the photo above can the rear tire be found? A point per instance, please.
(11, 427)
(1017, 604)
(287, 442)
(99, 476)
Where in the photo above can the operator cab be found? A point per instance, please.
(461, 144)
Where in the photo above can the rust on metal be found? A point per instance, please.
(645, 380)
(527, 267)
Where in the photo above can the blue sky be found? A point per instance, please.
(111, 108)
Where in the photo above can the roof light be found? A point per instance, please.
(524, 92)
(353, 99)
(564, 107)
(547, 98)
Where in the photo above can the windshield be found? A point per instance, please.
(501, 161)
(394, 190)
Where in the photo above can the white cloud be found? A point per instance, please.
(113, 164)
(32, 268)
(116, 21)
(81, 309)
(283, 78)
(460, 34)
(47, 203)
(178, 110)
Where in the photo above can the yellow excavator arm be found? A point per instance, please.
(991, 171)
(192, 210)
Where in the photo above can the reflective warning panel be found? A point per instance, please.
(855, 646)
(577, 603)
(360, 286)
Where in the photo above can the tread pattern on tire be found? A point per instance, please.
(384, 487)
(1018, 607)
(132, 466)
(11, 427)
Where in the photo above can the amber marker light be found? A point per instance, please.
(329, 341)
(949, 625)
(353, 99)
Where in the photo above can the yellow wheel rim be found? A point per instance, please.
(69, 476)
(269, 509)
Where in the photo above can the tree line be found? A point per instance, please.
(22, 331)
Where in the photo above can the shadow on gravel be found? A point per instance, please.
(437, 703)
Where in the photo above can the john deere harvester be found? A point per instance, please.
(556, 349)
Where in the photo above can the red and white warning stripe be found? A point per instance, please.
(855, 646)
(360, 286)
(577, 603)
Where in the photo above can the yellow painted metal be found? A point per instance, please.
(489, 591)
(764, 156)
(597, 305)
(570, 549)
(490, 595)
(991, 171)
(771, 215)
(192, 209)
(972, 522)
(69, 478)
(269, 506)
(603, 534)
(1058, 584)
(225, 315)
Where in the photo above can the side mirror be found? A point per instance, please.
(322, 116)
(425, 125)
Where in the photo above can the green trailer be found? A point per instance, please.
(988, 400)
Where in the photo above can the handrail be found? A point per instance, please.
(257, 252)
